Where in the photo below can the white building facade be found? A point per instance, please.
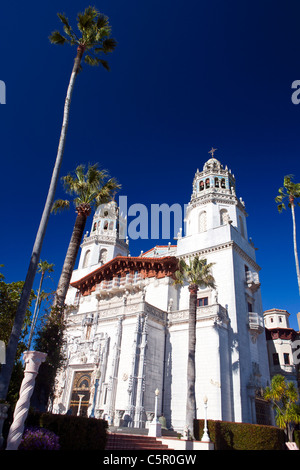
(127, 332)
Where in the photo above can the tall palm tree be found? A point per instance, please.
(197, 274)
(93, 36)
(91, 189)
(291, 192)
(43, 268)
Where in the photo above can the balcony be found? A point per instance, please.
(128, 282)
(256, 324)
(252, 281)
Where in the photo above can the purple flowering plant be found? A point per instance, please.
(35, 438)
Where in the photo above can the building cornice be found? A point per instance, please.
(223, 246)
(280, 333)
(122, 265)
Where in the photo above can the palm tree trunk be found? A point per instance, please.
(295, 244)
(11, 349)
(35, 310)
(191, 366)
(70, 259)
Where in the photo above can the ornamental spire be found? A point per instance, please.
(212, 151)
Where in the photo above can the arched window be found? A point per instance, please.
(86, 259)
(202, 222)
(223, 183)
(217, 184)
(201, 186)
(111, 225)
(105, 225)
(103, 256)
(207, 183)
(224, 217)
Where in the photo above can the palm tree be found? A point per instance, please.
(284, 397)
(291, 192)
(94, 37)
(197, 274)
(91, 189)
(43, 268)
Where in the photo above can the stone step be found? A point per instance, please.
(122, 441)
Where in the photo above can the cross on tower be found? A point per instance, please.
(212, 151)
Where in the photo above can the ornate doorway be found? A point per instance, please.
(81, 392)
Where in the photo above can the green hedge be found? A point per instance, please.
(297, 438)
(241, 436)
(75, 432)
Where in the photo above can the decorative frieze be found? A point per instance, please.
(214, 313)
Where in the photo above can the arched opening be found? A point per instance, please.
(103, 256)
(86, 259)
(224, 217)
(202, 222)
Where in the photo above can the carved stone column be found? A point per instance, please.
(32, 360)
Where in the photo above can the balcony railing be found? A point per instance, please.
(256, 322)
(252, 280)
(130, 281)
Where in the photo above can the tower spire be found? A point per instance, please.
(212, 151)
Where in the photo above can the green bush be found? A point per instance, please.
(241, 436)
(75, 432)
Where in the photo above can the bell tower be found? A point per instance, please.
(216, 230)
(104, 242)
(213, 202)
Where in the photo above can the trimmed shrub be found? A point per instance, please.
(241, 436)
(297, 438)
(74, 432)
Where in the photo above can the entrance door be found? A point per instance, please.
(81, 392)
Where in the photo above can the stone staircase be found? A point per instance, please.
(121, 441)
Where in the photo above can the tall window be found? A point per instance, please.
(275, 359)
(286, 358)
(86, 259)
(224, 217)
(202, 222)
(242, 226)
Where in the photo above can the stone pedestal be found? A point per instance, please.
(154, 429)
(32, 360)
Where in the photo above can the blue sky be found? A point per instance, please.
(186, 76)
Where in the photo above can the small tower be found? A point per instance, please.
(280, 338)
(104, 242)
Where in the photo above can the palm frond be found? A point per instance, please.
(57, 38)
(102, 21)
(94, 35)
(196, 272)
(93, 61)
(60, 205)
